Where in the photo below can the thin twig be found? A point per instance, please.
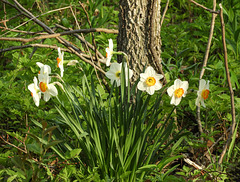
(209, 40)
(164, 12)
(32, 45)
(21, 31)
(230, 88)
(55, 35)
(81, 38)
(13, 145)
(204, 65)
(205, 8)
(5, 16)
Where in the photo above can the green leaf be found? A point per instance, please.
(10, 179)
(232, 45)
(149, 167)
(73, 153)
(35, 148)
(53, 143)
(236, 35)
(50, 129)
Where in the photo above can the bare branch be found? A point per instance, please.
(230, 88)
(205, 64)
(211, 11)
(24, 151)
(164, 12)
(58, 34)
(33, 45)
(25, 32)
(82, 40)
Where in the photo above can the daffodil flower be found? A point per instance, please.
(47, 89)
(114, 74)
(177, 91)
(109, 52)
(203, 92)
(44, 70)
(35, 91)
(149, 81)
(60, 61)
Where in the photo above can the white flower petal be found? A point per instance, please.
(110, 44)
(177, 100)
(52, 90)
(207, 85)
(157, 86)
(143, 76)
(171, 90)
(46, 96)
(184, 86)
(158, 76)
(202, 103)
(141, 86)
(150, 90)
(31, 87)
(173, 100)
(177, 84)
(36, 98)
(40, 65)
(202, 84)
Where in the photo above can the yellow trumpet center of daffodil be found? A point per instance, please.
(150, 81)
(205, 94)
(43, 86)
(179, 92)
(118, 73)
(31, 94)
(58, 62)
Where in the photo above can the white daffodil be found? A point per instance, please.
(44, 70)
(114, 74)
(47, 89)
(149, 81)
(203, 92)
(60, 61)
(35, 91)
(177, 91)
(109, 52)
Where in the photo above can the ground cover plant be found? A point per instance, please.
(76, 105)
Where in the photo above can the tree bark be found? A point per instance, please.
(139, 34)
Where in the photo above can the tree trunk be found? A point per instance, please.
(139, 34)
